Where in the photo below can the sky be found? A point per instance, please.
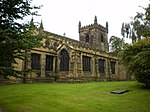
(63, 16)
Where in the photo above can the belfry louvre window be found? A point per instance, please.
(112, 64)
(64, 60)
(35, 61)
(102, 38)
(49, 63)
(87, 38)
(101, 65)
(86, 63)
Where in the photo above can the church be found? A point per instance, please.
(63, 59)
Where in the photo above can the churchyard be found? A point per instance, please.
(83, 97)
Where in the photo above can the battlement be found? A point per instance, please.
(98, 26)
(94, 25)
(94, 35)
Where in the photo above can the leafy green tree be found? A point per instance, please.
(116, 44)
(136, 58)
(139, 27)
(15, 37)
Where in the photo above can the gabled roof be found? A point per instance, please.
(75, 43)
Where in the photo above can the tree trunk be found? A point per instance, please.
(25, 67)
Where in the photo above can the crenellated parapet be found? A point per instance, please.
(94, 25)
(91, 26)
(95, 35)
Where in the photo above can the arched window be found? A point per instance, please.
(64, 60)
(102, 38)
(47, 43)
(87, 39)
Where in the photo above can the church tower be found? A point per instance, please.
(95, 35)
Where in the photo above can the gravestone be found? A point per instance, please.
(119, 91)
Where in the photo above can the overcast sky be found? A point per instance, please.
(63, 16)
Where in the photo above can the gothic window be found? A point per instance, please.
(112, 65)
(102, 38)
(49, 63)
(47, 43)
(101, 66)
(35, 61)
(64, 60)
(86, 63)
(87, 39)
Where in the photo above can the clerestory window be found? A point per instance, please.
(47, 43)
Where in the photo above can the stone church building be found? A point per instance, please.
(64, 59)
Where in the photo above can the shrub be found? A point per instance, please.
(136, 58)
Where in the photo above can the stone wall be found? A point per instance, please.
(96, 48)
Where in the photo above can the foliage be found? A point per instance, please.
(139, 27)
(116, 44)
(136, 58)
(15, 37)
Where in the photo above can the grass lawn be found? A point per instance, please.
(84, 97)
